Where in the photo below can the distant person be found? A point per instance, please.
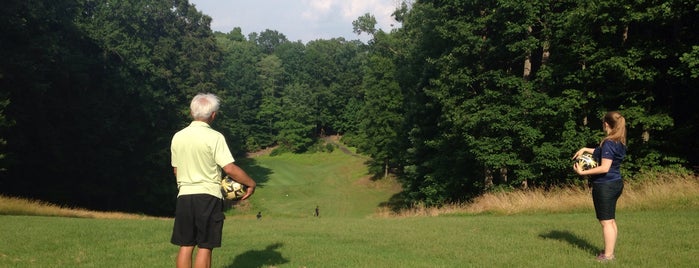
(198, 154)
(317, 212)
(259, 215)
(607, 183)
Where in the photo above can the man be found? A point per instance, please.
(198, 153)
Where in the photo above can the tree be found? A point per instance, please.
(364, 24)
(110, 81)
(270, 72)
(269, 40)
(242, 94)
(295, 125)
(333, 68)
(382, 114)
(508, 89)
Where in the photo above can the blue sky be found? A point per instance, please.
(303, 20)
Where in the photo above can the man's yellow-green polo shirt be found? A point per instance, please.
(198, 153)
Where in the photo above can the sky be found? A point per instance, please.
(298, 20)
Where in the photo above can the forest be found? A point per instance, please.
(467, 96)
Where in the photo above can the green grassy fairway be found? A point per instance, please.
(293, 185)
(647, 239)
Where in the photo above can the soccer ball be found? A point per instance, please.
(232, 189)
(586, 161)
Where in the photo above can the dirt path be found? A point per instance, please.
(265, 151)
(335, 140)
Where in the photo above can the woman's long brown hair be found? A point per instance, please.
(617, 124)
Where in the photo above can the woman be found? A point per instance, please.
(607, 183)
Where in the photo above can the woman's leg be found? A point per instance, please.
(605, 196)
(609, 231)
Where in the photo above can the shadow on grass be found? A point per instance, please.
(258, 173)
(260, 258)
(572, 239)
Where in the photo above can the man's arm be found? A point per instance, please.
(239, 175)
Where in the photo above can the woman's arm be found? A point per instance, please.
(601, 169)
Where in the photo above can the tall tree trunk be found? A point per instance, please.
(488, 182)
(645, 135)
(385, 169)
(527, 66)
(583, 68)
(503, 174)
(546, 52)
(527, 60)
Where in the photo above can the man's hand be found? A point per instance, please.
(239, 175)
(248, 192)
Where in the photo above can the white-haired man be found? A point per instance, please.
(198, 155)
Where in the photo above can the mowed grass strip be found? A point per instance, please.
(646, 239)
(292, 185)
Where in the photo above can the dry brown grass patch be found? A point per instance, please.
(660, 191)
(21, 206)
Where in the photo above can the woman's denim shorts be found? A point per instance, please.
(604, 196)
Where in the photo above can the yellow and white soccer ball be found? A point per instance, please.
(586, 161)
(232, 189)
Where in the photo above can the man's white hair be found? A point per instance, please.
(203, 105)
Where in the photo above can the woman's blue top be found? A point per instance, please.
(616, 151)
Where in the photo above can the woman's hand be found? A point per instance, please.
(581, 151)
(578, 168)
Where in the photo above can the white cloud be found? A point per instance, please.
(304, 20)
(320, 5)
(315, 10)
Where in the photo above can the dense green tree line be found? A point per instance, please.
(464, 97)
(94, 91)
(290, 93)
(499, 93)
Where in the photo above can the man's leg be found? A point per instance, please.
(203, 259)
(184, 257)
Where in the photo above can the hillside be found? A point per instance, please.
(292, 185)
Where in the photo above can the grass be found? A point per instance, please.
(647, 239)
(658, 224)
(291, 185)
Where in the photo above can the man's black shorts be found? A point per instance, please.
(604, 196)
(198, 221)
